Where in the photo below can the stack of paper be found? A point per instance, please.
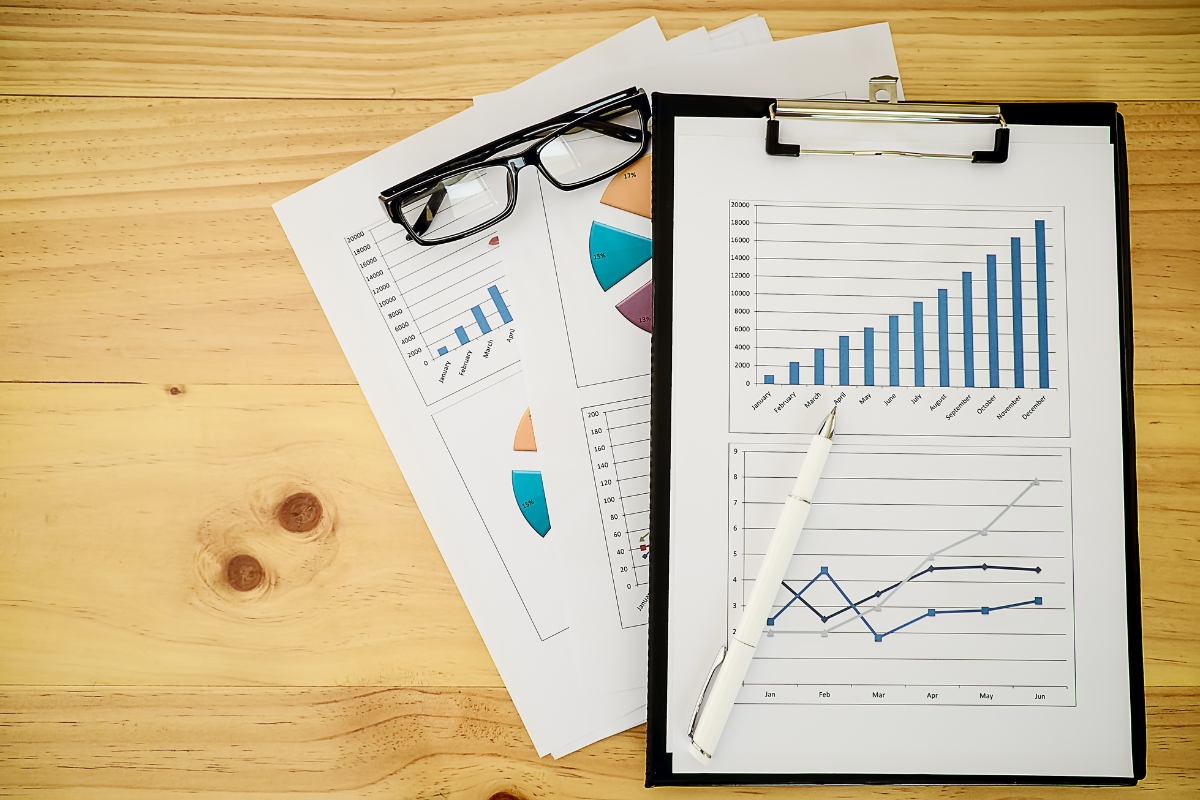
(511, 377)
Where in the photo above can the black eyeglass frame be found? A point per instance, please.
(543, 133)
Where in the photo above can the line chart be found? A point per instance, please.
(926, 574)
(855, 606)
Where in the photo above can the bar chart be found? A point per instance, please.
(446, 306)
(957, 315)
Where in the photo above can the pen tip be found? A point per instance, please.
(827, 425)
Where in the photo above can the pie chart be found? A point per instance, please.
(617, 253)
(527, 486)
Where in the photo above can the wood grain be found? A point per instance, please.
(167, 379)
(440, 742)
(138, 242)
(134, 498)
(1012, 49)
(165, 481)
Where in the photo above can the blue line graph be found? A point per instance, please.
(933, 612)
(942, 546)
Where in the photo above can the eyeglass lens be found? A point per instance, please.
(457, 203)
(593, 147)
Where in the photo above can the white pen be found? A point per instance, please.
(711, 714)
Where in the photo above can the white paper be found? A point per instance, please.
(643, 40)
(607, 696)
(746, 31)
(960, 586)
(451, 419)
(587, 366)
(633, 56)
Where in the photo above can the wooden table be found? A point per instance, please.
(168, 377)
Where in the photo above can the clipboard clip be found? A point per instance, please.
(700, 700)
(890, 110)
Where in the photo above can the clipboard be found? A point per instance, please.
(662, 763)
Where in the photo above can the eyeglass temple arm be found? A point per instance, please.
(438, 195)
(613, 129)
(432, 206)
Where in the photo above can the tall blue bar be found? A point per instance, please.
(768, 378)
(943, 337)
(844, 360)
(501, 306)
(793, 372)
(1018, 321)
(819, 366)
(993, 325)
(868, 356)
(918, 344)
(894, 350)
(968, 331)
(481, 320)
(1039, 233)
(461, 334)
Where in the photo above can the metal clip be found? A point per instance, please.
(892, 110)
(700, 700)
(889, 84)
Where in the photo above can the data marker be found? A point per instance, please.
(524, 439)
(530, 495)
(629, 190)
(638, 308)
(616, 253)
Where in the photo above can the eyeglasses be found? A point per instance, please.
(478, 189)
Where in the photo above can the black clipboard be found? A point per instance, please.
(666, 109)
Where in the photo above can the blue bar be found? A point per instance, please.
(944, 337)
(793, 372)
(481, 320)
(993, 326)
(968, 331)
(501, 306)
(442, 351)
(1018, 321)
(894, 350)
(461, 334)
(819, 366)
(844, 360)
(918, 344)
(1039, 233)
(868, 356)
(768, 378)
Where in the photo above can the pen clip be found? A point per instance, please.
(700, 700)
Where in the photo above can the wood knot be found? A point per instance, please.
(244, 572)
(504, 796)
(299, 513)
(175, 390)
